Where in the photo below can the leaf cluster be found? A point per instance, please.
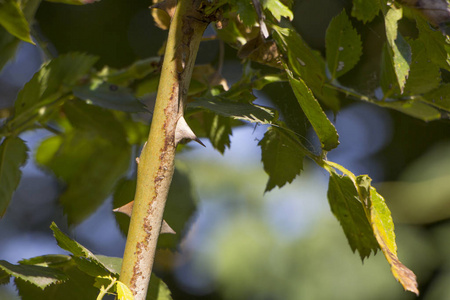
(57, 276)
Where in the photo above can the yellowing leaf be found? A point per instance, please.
(123, 292)
(383, 228)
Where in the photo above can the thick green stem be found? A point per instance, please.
(156, 163)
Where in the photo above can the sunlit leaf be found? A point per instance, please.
(346, 206)
(324, 129)
(383, 228)
(85, 259)
(366, 10)
(138, 70)
(14, 21)
(278, 9)
(39, 276)
(123, 292)
(282, 156)
(76, 280)
(13, 154)
(343, 45)
(399, 49)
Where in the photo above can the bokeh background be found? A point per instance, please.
(242, 243)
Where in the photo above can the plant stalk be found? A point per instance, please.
(156, 163)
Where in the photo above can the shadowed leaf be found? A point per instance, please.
(348, 209)
(282, 156)
(236, 110)
(13, 155)
(110, 96)
(366, 10)
(343, 45)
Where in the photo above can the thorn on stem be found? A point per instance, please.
(128, 208)
(184, 132)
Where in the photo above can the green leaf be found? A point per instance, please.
(8, 46)
(366, 10)
(110, 96)
(180, 207)
(246, 12)
(138, 70)
(414, 108)
(13, 155)
(93, 119)
(282, 156)
(4, 277)
(158, 290)
(277, 9)
(306, 64)
(324, 129)
(123, 194)
(53, 80)
(348, 209)
(439, 97)
(13, 20)
(39, 276)
(76, 280)
(85, 260)
(218, 130)
(435, 43)
(343, 45)
(89, 165)
(383, 228)
(424, 75)
(388, 80)
(8, 42)
(90, 158)
(236, 110)
(399, 49)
